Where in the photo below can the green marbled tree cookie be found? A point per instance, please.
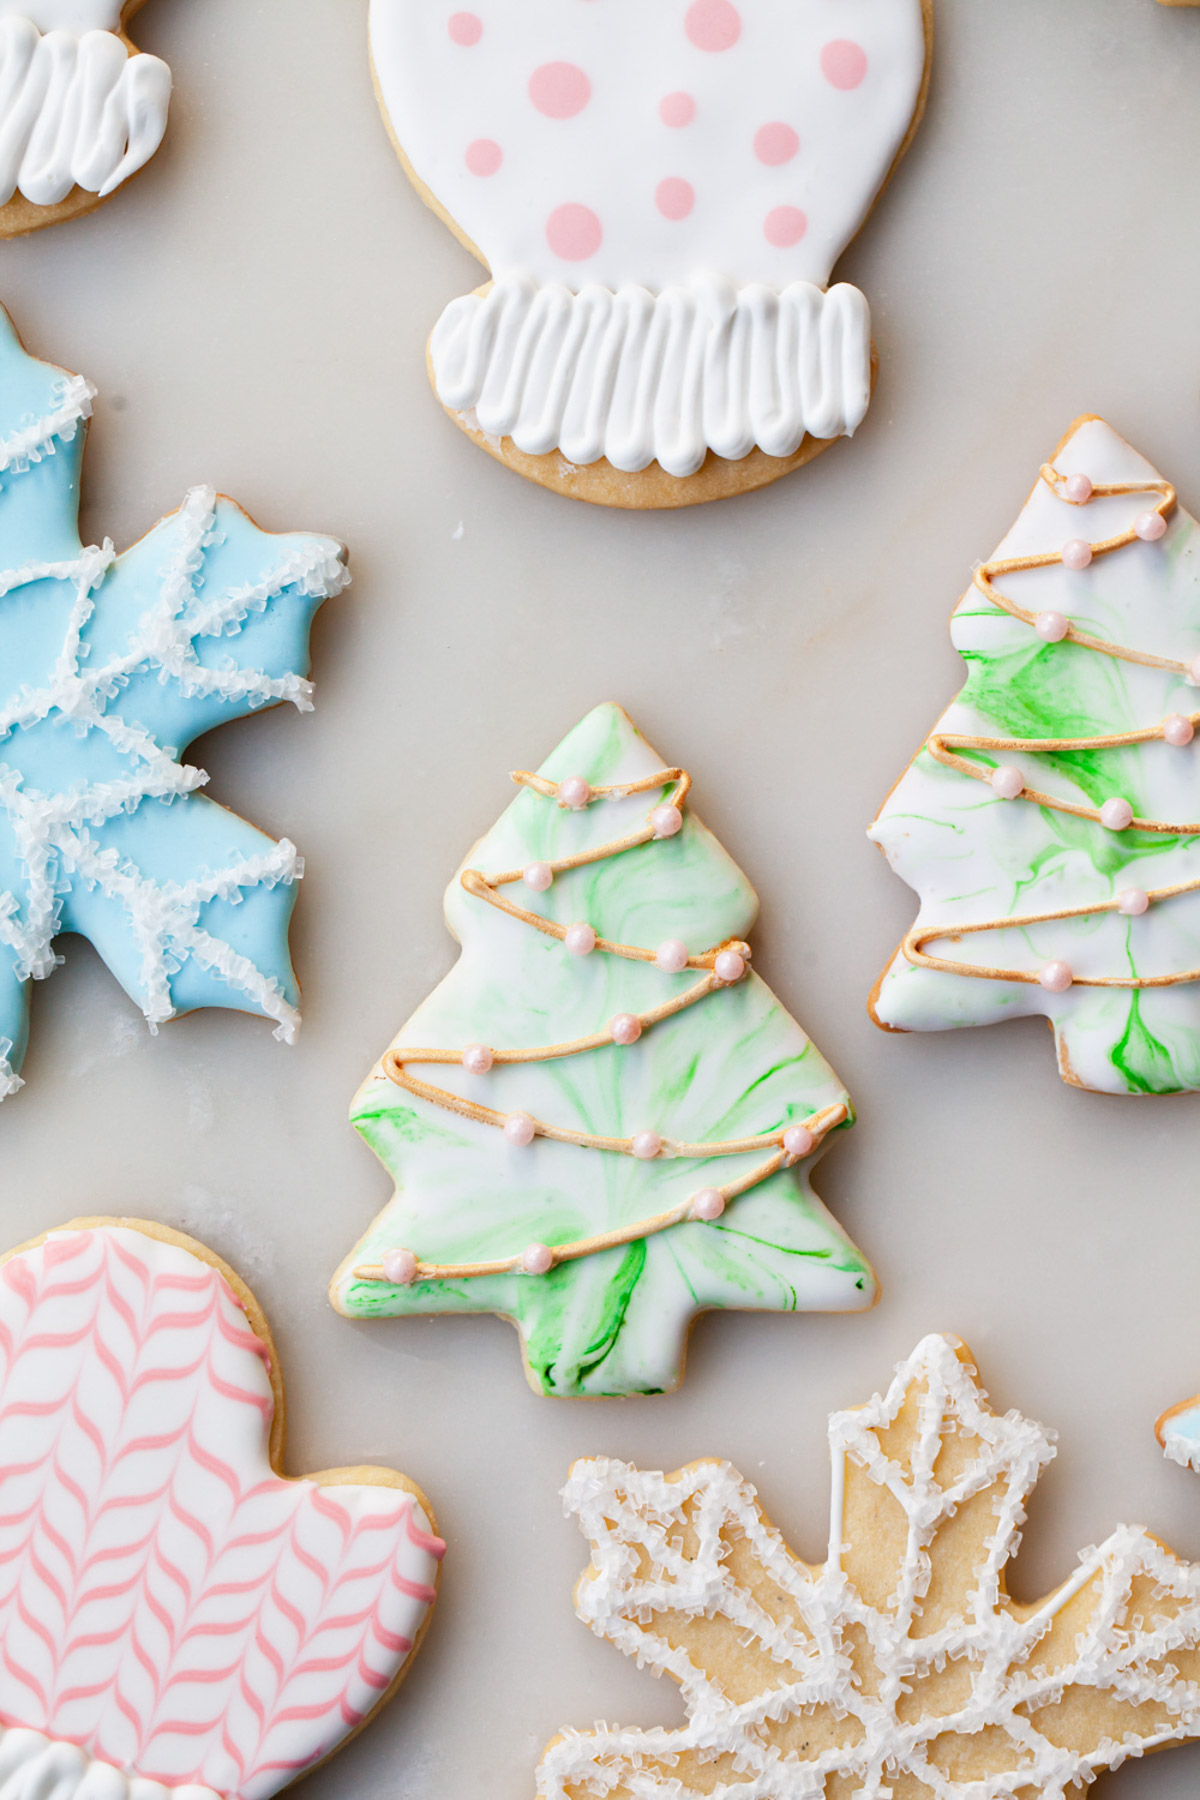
(733, 1066)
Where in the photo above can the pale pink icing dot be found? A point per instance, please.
(775, 143)
(484, 156)
(712, 24)
(465, 28)
(559, 90)
(674, 199)
(784, 226)
(573, 232)
(843, 63)
(677, 109)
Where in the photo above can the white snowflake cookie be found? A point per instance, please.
(901, 1669)
(179, 1620)
(660, 193)
(81, 109)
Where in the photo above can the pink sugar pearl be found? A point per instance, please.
(1116, 814)
(708, 1204)
(519, 1130)
(672, 956)
(626, 1028)
(665, 821)
(1076, 553)
(1150, 526)
(729, 966)
(1056, 977)
(646, 1145)
(537, 1259)
(538, 876)
(1133, 902)
(1052, 626)
(574, 792)
(477, 1059)
(1007, 781)
(798, 1141)
(1178, 730)
(1078, 489)
(580, 939)
(400, 1267)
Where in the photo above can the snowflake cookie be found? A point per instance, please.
(113, 665)
(901, 1669)
(661, 194)
(177, 1617)
(602, 1122)
(80, 108)
(1051, 822)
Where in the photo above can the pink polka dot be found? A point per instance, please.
(784, 226)
(775, 143)
(677, 109)
(574, 232)
(674, 198)
(559, 90)
(465, 28)
(712, 24)
(843, 63)
(484, 157)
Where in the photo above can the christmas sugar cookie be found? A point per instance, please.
(177, 1617)
(1051, 822)
(660, 194)
(81, 109)
(1178, 1431)
(111, 665)
(602, 1122)
(901, 1669)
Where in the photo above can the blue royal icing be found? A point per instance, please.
(110, 666)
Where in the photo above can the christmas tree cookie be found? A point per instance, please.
(81, 108)
(901, 1669)
(661, 194)
(179, 1620)
(1051, 822)
(111, 665)
(602, 1121)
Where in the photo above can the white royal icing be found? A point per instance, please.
(636, 177)
(174, 1615)
(75, 110)
(640, 378)
(667, 1583)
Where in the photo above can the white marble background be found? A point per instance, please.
(254, 310)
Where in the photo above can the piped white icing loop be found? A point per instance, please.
(639, 377)
(36, 1767)
(75, 111)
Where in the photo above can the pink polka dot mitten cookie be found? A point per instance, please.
(81, 108)
(660, 193)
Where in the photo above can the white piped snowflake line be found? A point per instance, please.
(792, 1675)
(35, 438)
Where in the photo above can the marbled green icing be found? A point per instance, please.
(971, 856)
(733, 1066)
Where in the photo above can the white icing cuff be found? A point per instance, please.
(75, 111)
(640, 378)
(36, 1767)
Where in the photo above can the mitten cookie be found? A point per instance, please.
(1051, 822)
(178, 1619)
(81, 109)
(660, 194)
(901, 1669)
(111, 666)
(601, 1122)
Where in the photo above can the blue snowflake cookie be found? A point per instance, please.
(110, 666)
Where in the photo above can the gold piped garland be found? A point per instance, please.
(722, 967)
(1010, 784)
